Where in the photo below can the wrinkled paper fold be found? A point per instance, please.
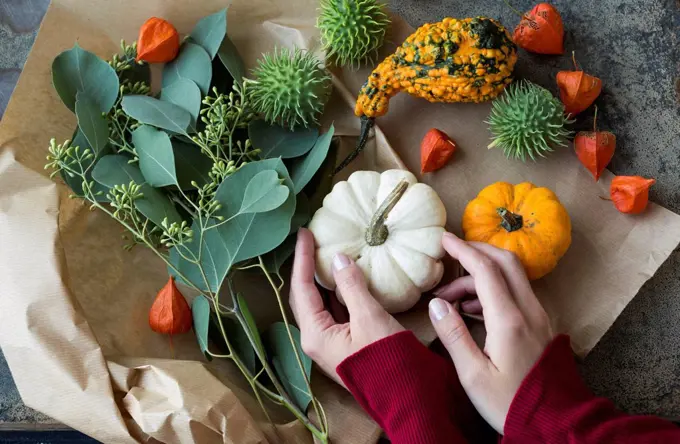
(74, 304)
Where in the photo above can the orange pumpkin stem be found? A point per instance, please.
(510, 221)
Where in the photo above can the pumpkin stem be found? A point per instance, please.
(595, 120)
(376, 233)
(510, 221)
(366, 125)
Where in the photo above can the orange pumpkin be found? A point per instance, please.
(525, 219)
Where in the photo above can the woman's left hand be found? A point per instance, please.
(327, 342)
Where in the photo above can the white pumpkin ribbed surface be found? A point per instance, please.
(408, 262)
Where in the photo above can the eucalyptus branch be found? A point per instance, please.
(63, 157)
(182, 204)
(223, 115)
(296, 352)
(283, 396)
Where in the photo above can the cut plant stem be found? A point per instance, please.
(290, 338)
(283, 395)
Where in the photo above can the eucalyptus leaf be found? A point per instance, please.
(192, 63)
(185, 94)
(136, 73)
(191, 165)
(254, 234)
(210, 31)
(250, 322)
(75, 183)
(286, 365)
(303, 169)
(264, 192)
(240, 342)
(322, 182)
(77, 70)
(157, 113)
(156, 206)
(156, 157)
(302, 213)
(92, 123)
(192, 250)
(114, 169)
(200, 311)
(243, 237)
(276, 141)
(274, 260)
(232, 60)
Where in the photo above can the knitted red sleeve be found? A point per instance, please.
(553, 405)
(411, 392)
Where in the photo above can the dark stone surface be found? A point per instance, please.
(633, 46)
(19, 21)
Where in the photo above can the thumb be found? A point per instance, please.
(351, 286)
(455, 336)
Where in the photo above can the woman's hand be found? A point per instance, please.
(323, 339)
(518, 329)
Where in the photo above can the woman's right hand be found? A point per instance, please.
(517, 326)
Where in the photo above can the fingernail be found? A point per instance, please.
(439, 291)
(438, 309)
(449, 236)
(341, 261)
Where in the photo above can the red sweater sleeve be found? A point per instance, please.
(553, 405)
(410, 391)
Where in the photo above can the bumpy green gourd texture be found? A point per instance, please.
(352, 31)
(527, 120)
(291, 88)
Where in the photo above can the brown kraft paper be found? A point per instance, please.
(74, 304)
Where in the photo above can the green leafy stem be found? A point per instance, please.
(149, 163)
(123, 198)
(78, 163)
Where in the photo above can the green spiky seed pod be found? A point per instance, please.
(290, 88)
(527, 120)
(352, 31)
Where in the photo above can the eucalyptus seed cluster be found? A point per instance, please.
(126, 59)
(67, 158)
(176, 233)
(207, 203)
(122, 198)
(122, 125)
(222, 115)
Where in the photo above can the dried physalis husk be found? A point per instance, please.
(595, 149)
(170, 314)
(436, 149)
(578, 90)
(158, 41)
(541, 30)
(630, 194)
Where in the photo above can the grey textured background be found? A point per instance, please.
(633, 46)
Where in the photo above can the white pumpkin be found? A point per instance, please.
(391, 226)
